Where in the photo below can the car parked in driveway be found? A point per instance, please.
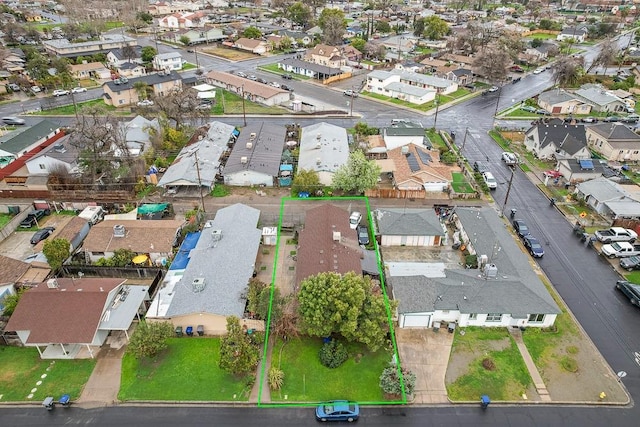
(533, 246)
(631, 290)
(31, 220)
(145, 103)
(354, 219)
(41, 234)
(60, 92)
(338, 410)
(363, 235)
(630, 263)
(521, 228)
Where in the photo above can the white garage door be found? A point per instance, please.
(416, 320)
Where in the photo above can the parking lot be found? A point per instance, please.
(18, 245)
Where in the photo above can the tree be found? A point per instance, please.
(492, 64)
(383, 27)
(145, 17)
(129, 52)
(566, 71)
(374, 50)
(536, 43)
(358, 43)
(57, 251)
(149, 339)
(435, 28)
(513, 44)
(180, 106)
(418, 27)
(148, 53)
(238, 355)
(305, 181)
(606, 55)
(345, 304)
(333, 26)
(299, 13)
(390, 380)
(357, 175)
(315, 4)
(122, 257)
(185, 40)
(252, 33)
(11, 301)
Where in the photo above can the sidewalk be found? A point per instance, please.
(541, 388)
(255, 397)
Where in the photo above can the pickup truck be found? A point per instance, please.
(620, 249)
(616, 234)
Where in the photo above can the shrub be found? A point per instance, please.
(276, 378)
(333, 354)
(471, 261)
(569, 364)
(488, 364)
(390, 380)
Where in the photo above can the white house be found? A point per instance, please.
(403, 133)
(171, 61)
(408, 227)
(57, 156)
(323, 148)
(573, 33)
(558, 140)
(412, 87)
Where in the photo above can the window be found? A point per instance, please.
(494, 317)
(536, 318)
(42, 166)
(473, 316)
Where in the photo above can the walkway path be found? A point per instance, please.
(254, 397)
(541, 388)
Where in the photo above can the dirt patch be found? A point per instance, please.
(517, 137)
(461, 358)
(233, 55)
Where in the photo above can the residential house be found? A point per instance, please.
(322, 54)
(415, 168)
(122, 94)
(578, 34)
(137, 135)
(199, 35)
(131, 70)
(600, 99)
(409, 66)
(608, 198)
(90, 70)
(256, 156)
(579, 170)
(163, 8)
(404, 133)
(504, 292)
(614, 141)
(409, 227)
(104, 44)
(460, 60)
(19, 142)
(351, 54)
(553, 141)
(259, 47)
(62, 155)
(432, 64)
(378, 81)
(63, 318)
(299, 38)
(308, 69)
(154, 239)
(205, 296)
(182, 20)
(183, 173)
(397, 46)
(558, 101)
(323, 148)
(170, 61)
(15, 272)
(117, 57)
(462, 76)
(327, 243)
(250, 90)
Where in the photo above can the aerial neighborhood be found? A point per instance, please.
(332, 205)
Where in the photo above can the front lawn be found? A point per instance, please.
(231, 103)
(460, 184)
(69, 110)
(4, 219)
(306, 380)
(436, 139)
(186, 370)
(22, 368)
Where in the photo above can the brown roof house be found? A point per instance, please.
(327, 243)
(13, 271)
(90, 70)
(71, 318)
(416, 168)
(614, 141)
(259, 47)
(253, 91)
(323, 54)
(152, 238)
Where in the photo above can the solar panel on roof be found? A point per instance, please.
(425, 157)
(586, 164)
(413, 162)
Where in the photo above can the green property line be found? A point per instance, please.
(273, 285)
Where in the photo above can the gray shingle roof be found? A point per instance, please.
(570, 137)
(615, 132)
(121, 56)
(150, 79)
(332, 153)
(596, 96)
(602, 189)
(225, 264)
(17, 141)
(408, 222)
(61, 150)
(265, 152)
(555, 96)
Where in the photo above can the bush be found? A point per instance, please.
(333, 354)
(149, 339)
(276, 378)
(390, 381)
(471, 261)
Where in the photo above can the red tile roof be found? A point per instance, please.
(68, 314)
(317, 250)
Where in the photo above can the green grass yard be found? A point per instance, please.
(231, 103)
(460, 184)
(306, 380)
(69, 110)
(4, 219)
(22, 368)
(186, 370)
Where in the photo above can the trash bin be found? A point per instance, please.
(200, 330)
(178, 331)
(189, 331)
(451, 327)
(436, 326)
(65, 400)
(48, 403)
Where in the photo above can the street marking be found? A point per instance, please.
(636, 356)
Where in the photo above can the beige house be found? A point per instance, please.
(107, 42)
(557, 101)
(90, 70)
(253, 91)
(614, 141)
(122, 94)
(326, 55)
(259, 47)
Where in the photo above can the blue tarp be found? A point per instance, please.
(182, 257)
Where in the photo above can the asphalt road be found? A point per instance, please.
(583, 280)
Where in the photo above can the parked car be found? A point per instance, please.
(611, 119)
(252, 78)
(78, 89)
(338, 410)
(631, 118)
(509, 158)
(363, 235)
(543, 112)
(41, 234)
(493, 89)
(241, 74)
(14, 87)
(354, 219)
(516, 80)
(631, 290)
(13, 121)
(203, 106)
(261, 80)
(287, 76)
(274, 84)
(35, 89)
(285, 87)
(528, 108)
(32, 218)
(351, 93)
(60, 92)
(145, 103)
(538, 70)
(521, 228)
(533, 246)
(490, 180)
(516, 69)
(480, 167)
(631, 263)
(590, 120)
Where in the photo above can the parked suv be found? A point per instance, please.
(521, 228)
(32, 219)
(631, 290)
(490, 180)
(480, 167)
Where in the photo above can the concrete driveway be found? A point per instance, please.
(426, 354)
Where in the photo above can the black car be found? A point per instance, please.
(631, 290)
(287, 76)
(285, 87)
(363, 235)
(41, 234)
(261, 80)
(32, 219)
(480, 167)
(631, 263)
(533, 246)
(520, 227)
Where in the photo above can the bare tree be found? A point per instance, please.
(566, 71)
(180, 105)
(492, 64)
(606, 56)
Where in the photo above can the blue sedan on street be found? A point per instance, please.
(338, 410)
(533, 246)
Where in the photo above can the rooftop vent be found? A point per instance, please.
(318, 145)
(119, 231)
(216, 235)
(52, 283)
(318, 160)
(491, 271)
(244, 160)
(336, 236)
(319, 136)
(252, 136)
(405, 149)
(198, 284)
(249, 145)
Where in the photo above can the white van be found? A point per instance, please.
(93, 214)
(490, 180)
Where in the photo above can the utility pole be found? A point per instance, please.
(464, 140)
(199, 181)
(497, 104)
(435, 119)
(351, 104)
(506, 197)
(195, 50)
(244, 110)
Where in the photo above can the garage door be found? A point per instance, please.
(415, 320)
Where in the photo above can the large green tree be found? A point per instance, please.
(56, 251)
(252, 33)
(344, 304)
(358, 43)
(306, 180)
(238, 355)
(357, 175)
(435, 28)
(333, 26)
(299, 13)
(147, 53)
(149, 339)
